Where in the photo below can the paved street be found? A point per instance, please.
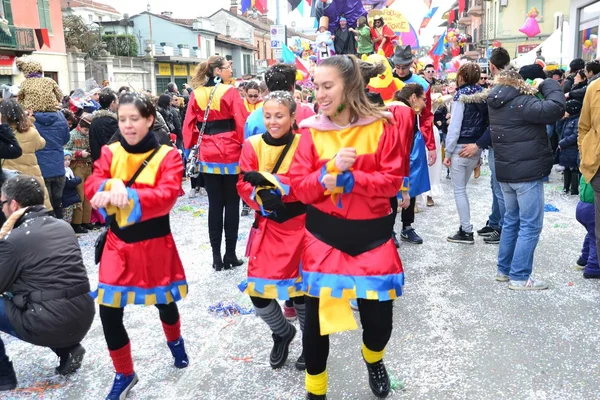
(458, 334)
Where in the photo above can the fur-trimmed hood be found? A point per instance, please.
(28, 65)
(508, 85)
(472, 94)
(103, 113)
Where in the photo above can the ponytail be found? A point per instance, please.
(205, 70)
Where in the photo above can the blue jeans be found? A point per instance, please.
(496, 218)
(523, 222)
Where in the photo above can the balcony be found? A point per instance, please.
(19, 39)
(465, 19)
(476, 9)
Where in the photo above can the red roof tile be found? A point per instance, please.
(88, 3)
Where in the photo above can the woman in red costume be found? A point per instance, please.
(383, 37)
(219, 151)
(140, 263)
(345, 171)
(275, 250)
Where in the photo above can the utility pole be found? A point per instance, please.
(150, 25)
(277, 19)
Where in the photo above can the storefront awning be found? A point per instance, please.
(6, 64)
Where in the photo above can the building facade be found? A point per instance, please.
(22, 40)
(584, 20)
(90, 11)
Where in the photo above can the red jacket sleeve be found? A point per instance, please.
(159, 200)
(248, 162)
(190, 127)
(305, 171)
(405, 125)
(387, 180)
(426, 123)
(100, 174)
(389, 33)
(238, 111)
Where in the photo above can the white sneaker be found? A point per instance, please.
(529, 284)
(500, 277)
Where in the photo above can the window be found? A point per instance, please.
(161, 84)
(51, 75)
(207, 47)
(6, 10)
(587, 42)
(180, 82)
(539, 4)
(247, 65)
(90, 17)
(44, 14)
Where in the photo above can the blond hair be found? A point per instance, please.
(206, 70)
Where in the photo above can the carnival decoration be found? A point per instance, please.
(590, 45)
(531, 27)
(385, 84)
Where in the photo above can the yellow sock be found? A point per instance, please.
(316, 384)
(372, 356)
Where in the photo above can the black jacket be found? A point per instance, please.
(439, 118)
(70, 195)
(177, 124)
(475, 115)
(577, 91)
(104, 125)
(568, 130)
(518, 122)
(9, 147)
(41, 254)
(568, 83)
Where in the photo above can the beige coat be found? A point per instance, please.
(27, 164)
(588, 139)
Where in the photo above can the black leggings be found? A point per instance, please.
(114, 330)
(408, 213)
(259, 302)
(222, 194)
(376, 320)
(571, 180)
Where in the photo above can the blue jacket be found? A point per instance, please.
(55, 130)
(255, 124)
(568, 129)
(70, 195)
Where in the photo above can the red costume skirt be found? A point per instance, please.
(147, 272)
(274, 261)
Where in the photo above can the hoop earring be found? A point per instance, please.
(217, 79)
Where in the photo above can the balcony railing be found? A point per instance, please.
(18, 39)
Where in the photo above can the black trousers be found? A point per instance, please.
(376, 320)
(571, 180)
(114, 330)
(222, 195)
(408, 214)
(55, 187)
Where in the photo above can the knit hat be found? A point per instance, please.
(576, 65)
(573, 107)
(532, 72)
(67, 153)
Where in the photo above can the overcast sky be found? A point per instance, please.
(412, 9)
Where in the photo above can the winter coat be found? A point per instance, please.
(439, 118)
(77, 144)
(177, 123)
(54, 128)
(469, 117)
(577, 92)
(589, 132)
(30, 142)
(70, 195)
(103, 127)
(518, 122)
(42, 254)
(568, 83)
(568, 153)
(9, 147)
(168, 117)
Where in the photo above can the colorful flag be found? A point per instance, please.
(427, 18)
(451, 16)
(287, 55)
(437, 51)
(427, 3)
(294, 4)
(461, 6)
(260, 5)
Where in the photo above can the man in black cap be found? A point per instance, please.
(402, 61)
(575, 66)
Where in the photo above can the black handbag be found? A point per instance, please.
(101, 239)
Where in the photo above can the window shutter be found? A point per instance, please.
(8, 11)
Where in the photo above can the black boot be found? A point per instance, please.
(217, 262)
(300, 363)
(310, 396)
(281, 347)
(70, 359)
(379, 380)
(230, 260)
(8, 379)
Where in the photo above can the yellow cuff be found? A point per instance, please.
(372, 356)
(331, 168)
(316, 384)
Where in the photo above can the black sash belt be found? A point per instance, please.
(21, 299)
(218, 126)
(151, 229)
(290, 211)
(352, 236)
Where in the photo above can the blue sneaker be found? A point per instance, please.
(177, 348)
(395, 239)
(121, 386)
(354, 304)
(409, 235)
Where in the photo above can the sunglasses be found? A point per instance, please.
(252, 96)
(484, 78)
(2, 203)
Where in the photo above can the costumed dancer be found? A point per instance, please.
(382, 35)
(276, 246)
(424, 149)
(324, 42)
(278, 77)
(219, 152)
(345, 170)
(139, 263)
(252, 99)
(344, 41)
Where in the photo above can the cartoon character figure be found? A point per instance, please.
(323, 42)
(531, 27)
(386, 85)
